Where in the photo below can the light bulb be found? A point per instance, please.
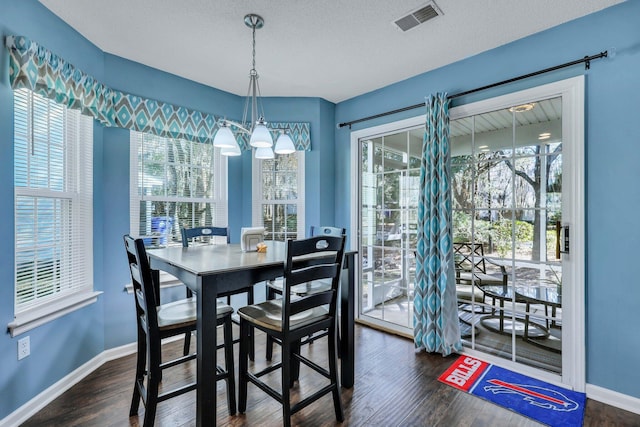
(261, 137)
(224, 137)
(284, 145)
(231, 151)
(264, 153)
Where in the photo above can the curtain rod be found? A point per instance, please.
(586, 60)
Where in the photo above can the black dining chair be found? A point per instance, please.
(293, 317)
(274, 287)
(207, 235)
(155, 322)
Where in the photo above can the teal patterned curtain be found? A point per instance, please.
(435, 321)
(34, 67)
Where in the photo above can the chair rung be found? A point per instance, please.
(315, 396)
(268, 369)
(177, 392)
(314, 337)
(221, 374)
(178, 361)
(264, 387)
(319, 369)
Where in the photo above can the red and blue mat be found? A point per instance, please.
(539, 400)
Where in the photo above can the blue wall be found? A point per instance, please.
(612, 158)
(613, 85)
(63, 345)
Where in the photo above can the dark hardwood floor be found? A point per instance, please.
(394, 387)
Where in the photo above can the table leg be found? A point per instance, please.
(347, 307)
(206, 359)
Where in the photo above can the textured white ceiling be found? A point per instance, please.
(330, 49)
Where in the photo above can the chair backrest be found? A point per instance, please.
(143, 286)
(204, 233)
(314, 258)
(327, 231)
(469, 256)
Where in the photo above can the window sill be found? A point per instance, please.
(166, 281)
(33, 318)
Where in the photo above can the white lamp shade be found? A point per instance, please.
(284, 145)
(264, 153)
(261, 137)
(224, 138)
(231, 151)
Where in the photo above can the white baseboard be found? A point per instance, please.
(613, 398)
(30, 408)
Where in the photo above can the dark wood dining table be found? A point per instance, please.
(210, 269)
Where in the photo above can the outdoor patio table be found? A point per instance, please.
(521, 324)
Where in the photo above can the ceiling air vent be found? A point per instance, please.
(418, 16)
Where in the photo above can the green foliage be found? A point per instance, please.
(501, 234)
(462, 228)
(498, 233)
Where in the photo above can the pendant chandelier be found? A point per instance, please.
(255, 126)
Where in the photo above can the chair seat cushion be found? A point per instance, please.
(269, 315)
(181, 313)
(481, 278)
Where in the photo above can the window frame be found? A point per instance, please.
(219, 199)
(257, 193)
(75, 140)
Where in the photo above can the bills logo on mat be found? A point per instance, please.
(547, 403)
(464, 372)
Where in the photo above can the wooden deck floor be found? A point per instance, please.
(394, 387)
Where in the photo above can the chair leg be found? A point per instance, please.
(187, 335)
(152, 403)
(187, 343)
(285, 370)
(271, 294)
(243, 366)
(141, 360)
(153, 384)
(333, 372)
(252, 332)
(295, 363)
(228, 364)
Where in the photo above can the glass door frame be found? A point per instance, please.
(356, 201)
(573, 201)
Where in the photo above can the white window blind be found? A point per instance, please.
(278, 196)
(53, 180)
(175, 183)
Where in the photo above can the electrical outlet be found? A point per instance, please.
(24, 347)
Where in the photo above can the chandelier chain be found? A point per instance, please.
(253, 64)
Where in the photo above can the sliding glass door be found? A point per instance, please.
(517, 197)
(507, 204)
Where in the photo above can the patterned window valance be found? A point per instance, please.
(34, 67)
(159, 118)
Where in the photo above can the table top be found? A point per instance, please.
(534, 294)
(208, 259)
(213, 259)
